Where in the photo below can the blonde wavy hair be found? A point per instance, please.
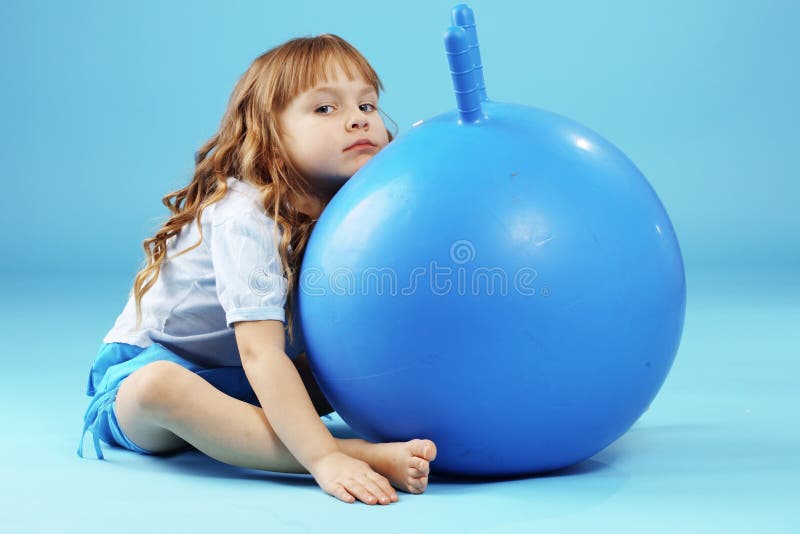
(248, 146)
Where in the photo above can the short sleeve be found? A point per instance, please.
(249, 280)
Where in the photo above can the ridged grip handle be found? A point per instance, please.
(463, 16)
(463, 73)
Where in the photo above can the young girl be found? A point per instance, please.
(200, 355)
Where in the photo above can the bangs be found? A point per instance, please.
(311, 61)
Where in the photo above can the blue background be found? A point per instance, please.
(102, 105)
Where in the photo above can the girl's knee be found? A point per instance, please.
(154, 388)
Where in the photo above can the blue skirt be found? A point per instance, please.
(116, 361)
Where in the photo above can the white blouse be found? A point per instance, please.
(234, 275)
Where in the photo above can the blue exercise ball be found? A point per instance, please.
(509, 286)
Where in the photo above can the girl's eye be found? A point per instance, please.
(366, 108)
(324, 109)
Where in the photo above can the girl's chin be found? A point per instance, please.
(329, 185)
(340, 179)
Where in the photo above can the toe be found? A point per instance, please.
(424, 448)
(418, 484)
(415, 473)
(423, 466)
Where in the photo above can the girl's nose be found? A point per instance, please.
(358, 122)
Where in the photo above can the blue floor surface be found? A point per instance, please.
(718, 450)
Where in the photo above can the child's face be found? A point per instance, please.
(332, 130)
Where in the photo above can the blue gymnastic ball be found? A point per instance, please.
(507, 284)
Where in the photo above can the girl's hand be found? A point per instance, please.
(348, 478)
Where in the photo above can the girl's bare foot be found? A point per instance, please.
(405, 464)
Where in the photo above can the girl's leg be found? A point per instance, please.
(162, 406)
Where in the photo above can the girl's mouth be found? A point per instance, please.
(360, 144)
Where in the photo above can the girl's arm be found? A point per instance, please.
(280, 390)
(292, 415)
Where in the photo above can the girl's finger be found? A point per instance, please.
(375, 489)
(342, 494)
(385, 485)
(361, 492)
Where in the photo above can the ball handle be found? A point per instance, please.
(462, 71)
(463, 16)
